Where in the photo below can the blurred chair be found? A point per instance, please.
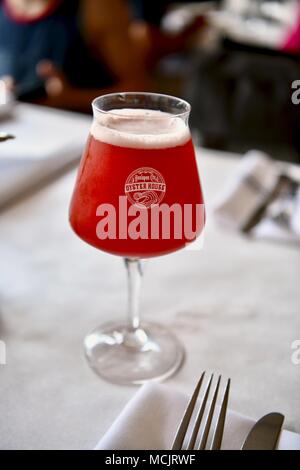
(241, 98)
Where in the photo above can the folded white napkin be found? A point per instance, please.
(249, 188)
(46, 141)
(150, 419)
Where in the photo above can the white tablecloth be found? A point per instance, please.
(235, 305)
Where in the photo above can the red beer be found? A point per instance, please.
(149, 161)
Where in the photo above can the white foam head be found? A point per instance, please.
(140, 128)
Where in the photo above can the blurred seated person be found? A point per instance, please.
(63, 53)
(147, 33)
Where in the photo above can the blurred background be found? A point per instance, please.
(234, 60)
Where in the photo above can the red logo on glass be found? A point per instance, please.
(145, 187)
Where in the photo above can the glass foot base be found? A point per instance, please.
(133, 357)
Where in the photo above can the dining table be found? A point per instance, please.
(234, 304)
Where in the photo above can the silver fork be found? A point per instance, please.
(186, 426)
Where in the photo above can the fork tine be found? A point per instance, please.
(219, 429)
(199, 416)
(180, 435)
(209, 417)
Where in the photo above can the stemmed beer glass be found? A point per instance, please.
(137, 195)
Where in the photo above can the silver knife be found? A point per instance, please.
(265, 433)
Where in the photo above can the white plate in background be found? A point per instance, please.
(7, 101)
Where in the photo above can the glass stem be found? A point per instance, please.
(134, 275)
